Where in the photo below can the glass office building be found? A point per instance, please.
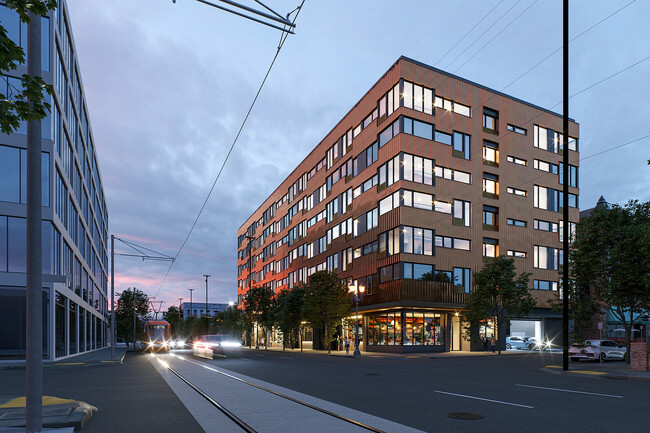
(75, 220)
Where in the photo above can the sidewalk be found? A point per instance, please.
(130, 395)
(617, 370)
(96, 357)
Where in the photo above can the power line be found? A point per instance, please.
(468, 32)
(481, 35)
(495, 36)
(241, 128)
(574, 38)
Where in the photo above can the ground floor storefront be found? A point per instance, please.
(70, 324)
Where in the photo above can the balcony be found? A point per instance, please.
(414, 291)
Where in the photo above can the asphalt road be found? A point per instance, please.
(512, 393)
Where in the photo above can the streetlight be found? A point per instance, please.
(207, 319)
(357, 295)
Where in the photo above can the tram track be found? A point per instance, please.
(237, 420)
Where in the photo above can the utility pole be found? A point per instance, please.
(191, 305)
(34, 276)
(565, 189)
(133, 317)
(112, 297)
(250, 280)
(206, 303)
(180, 309)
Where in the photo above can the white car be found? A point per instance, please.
(595, 350)
(206, 346)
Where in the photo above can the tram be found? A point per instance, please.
(157, 335)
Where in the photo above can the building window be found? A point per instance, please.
(572, 231)
(462, 280)
(544, 285)
(547, 257)
(546, 226)
(517, 223)
(490, 120)
(461, 213)
(516, 160)
(516, 129)
(490, 185)
(490, 218)
(516, 191)
(513, 253)
(490, 247)
(417, 241)
(462, 145)
(418, 271)
(573, 175)
(418, 128)
(490, 153)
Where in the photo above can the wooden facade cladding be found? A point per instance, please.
(433, 293)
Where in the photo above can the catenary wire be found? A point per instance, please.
(250, 109)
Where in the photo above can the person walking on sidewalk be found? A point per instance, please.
(347, 346)
(493, 343)
(485, 342)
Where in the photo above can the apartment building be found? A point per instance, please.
(75, 219)
(426, 176)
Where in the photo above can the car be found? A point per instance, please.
(206, 346)
(594, 350)
(519, 343)
(540, 344)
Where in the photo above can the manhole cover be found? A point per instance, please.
(371, 374)
(464, 415)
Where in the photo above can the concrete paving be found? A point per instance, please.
(262, 410)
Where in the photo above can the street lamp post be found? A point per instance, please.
(356, 291)
(207, 319)
(191, 305)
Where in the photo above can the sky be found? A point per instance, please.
(168, 86)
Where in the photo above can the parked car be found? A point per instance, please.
(206, 346)
(539, 344)
(519, 343)
(595, 350)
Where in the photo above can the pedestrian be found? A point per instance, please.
(493, 342)
(485, 342)
(347, 346)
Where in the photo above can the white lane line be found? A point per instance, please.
(570, 390)
(485, 399)
(284, 357)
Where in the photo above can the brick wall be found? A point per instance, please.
(639, 356)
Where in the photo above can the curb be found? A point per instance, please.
(597, 374)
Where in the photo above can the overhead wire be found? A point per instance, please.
(283, 39)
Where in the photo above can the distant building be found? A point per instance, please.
(75, 218)
(197, 309)
(426, 176)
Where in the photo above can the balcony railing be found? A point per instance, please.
(414, 290)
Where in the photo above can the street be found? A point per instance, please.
(511, 393)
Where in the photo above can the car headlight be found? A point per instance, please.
(231, 344)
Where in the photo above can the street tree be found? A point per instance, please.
(326, 302)
(173, 317)
(258, 307)
(128, 306)
(498, 295)
(231, 321)
(611, 257)
(26, 97)
(583, 306)
(289, 314)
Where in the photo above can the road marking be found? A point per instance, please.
(485, 399)
(570, 390)
(257, 354)
(70, 363)
(284, 357)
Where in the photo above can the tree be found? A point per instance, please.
(173, 316)
(232, 321)
(611, 257)
(583, 306)
(125, 310)
(288, 313)
(498, 294)
(257, 306)
(25, 99)
(326, 302)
